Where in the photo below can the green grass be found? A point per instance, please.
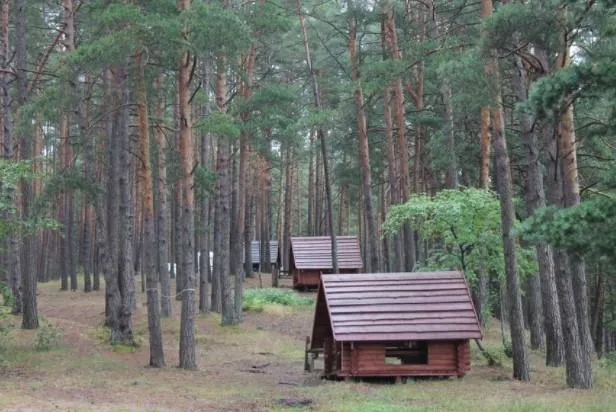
(79, 373)
(257, 299)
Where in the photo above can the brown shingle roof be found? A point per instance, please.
(315, 252)
(400, 306)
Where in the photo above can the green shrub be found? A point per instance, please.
(7, 295)
(256, 299)
(6, 326)
(609, 361)
(48, 336)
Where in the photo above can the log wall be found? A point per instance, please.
(445, 358)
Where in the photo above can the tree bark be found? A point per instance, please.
(223, 201)
(577, 369)
(396, 263)
(286, 220)
(13, 261)
(119, 297)
(238, 235)
(204, 213)
(372, 255)
(188, 356)
(571, 190)
(126, 278)
(320, 133)
(567, 152)
(521, 368)
(28, 279)
(482, 291)
(391, 41)
(311, 186)
(87, 249)
(157, 356)
(534, 195)
(248, 228)
(161, 208)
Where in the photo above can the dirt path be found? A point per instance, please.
(240, 368)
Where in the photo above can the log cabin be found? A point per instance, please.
(255, 252)
(394, 325)
(310, 257)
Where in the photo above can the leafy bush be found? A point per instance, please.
(609, 361)
(256, 299)
(6, 326)
(7, 295)
(48, 336)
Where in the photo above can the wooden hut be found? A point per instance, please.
(394, 325)
(255, 251)
(312, 256)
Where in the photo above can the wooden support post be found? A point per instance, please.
(307, 366)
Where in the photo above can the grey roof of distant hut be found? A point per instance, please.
(315, 252)
(396, 306)
(255, 250)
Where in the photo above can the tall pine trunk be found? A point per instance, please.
(567, 156)
(544, 284)
(286, 219)
(321, 134)
(391, 41)
(521, 367)
(13, 273)
(157, 357)
(161, 208)
(126, 278)
(28, 273)
(204, 213)
(223, 200)
(188, 356)
(372, 255)
(575, 361)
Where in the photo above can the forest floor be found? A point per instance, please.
(258, 366)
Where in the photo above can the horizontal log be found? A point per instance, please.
(415, 300)
(372, 337)
(401, 275)
(401, 288)
(406, 325)
(405, 316)
(374, 294)
(403, 307)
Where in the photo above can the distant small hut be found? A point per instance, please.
(394, 325)
(312, 256)
(255, 251)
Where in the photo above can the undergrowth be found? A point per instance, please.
(609, 361)
(6, 324)
(256, 299)
(7, 295)
(48, 336)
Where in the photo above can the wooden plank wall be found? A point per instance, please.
(306, 278)
(449, 358)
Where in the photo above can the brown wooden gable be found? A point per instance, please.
(397, 306)
(321, 327)
(315, 252)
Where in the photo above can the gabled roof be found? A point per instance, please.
(255, 251)
(315, 252)
(397, 306)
